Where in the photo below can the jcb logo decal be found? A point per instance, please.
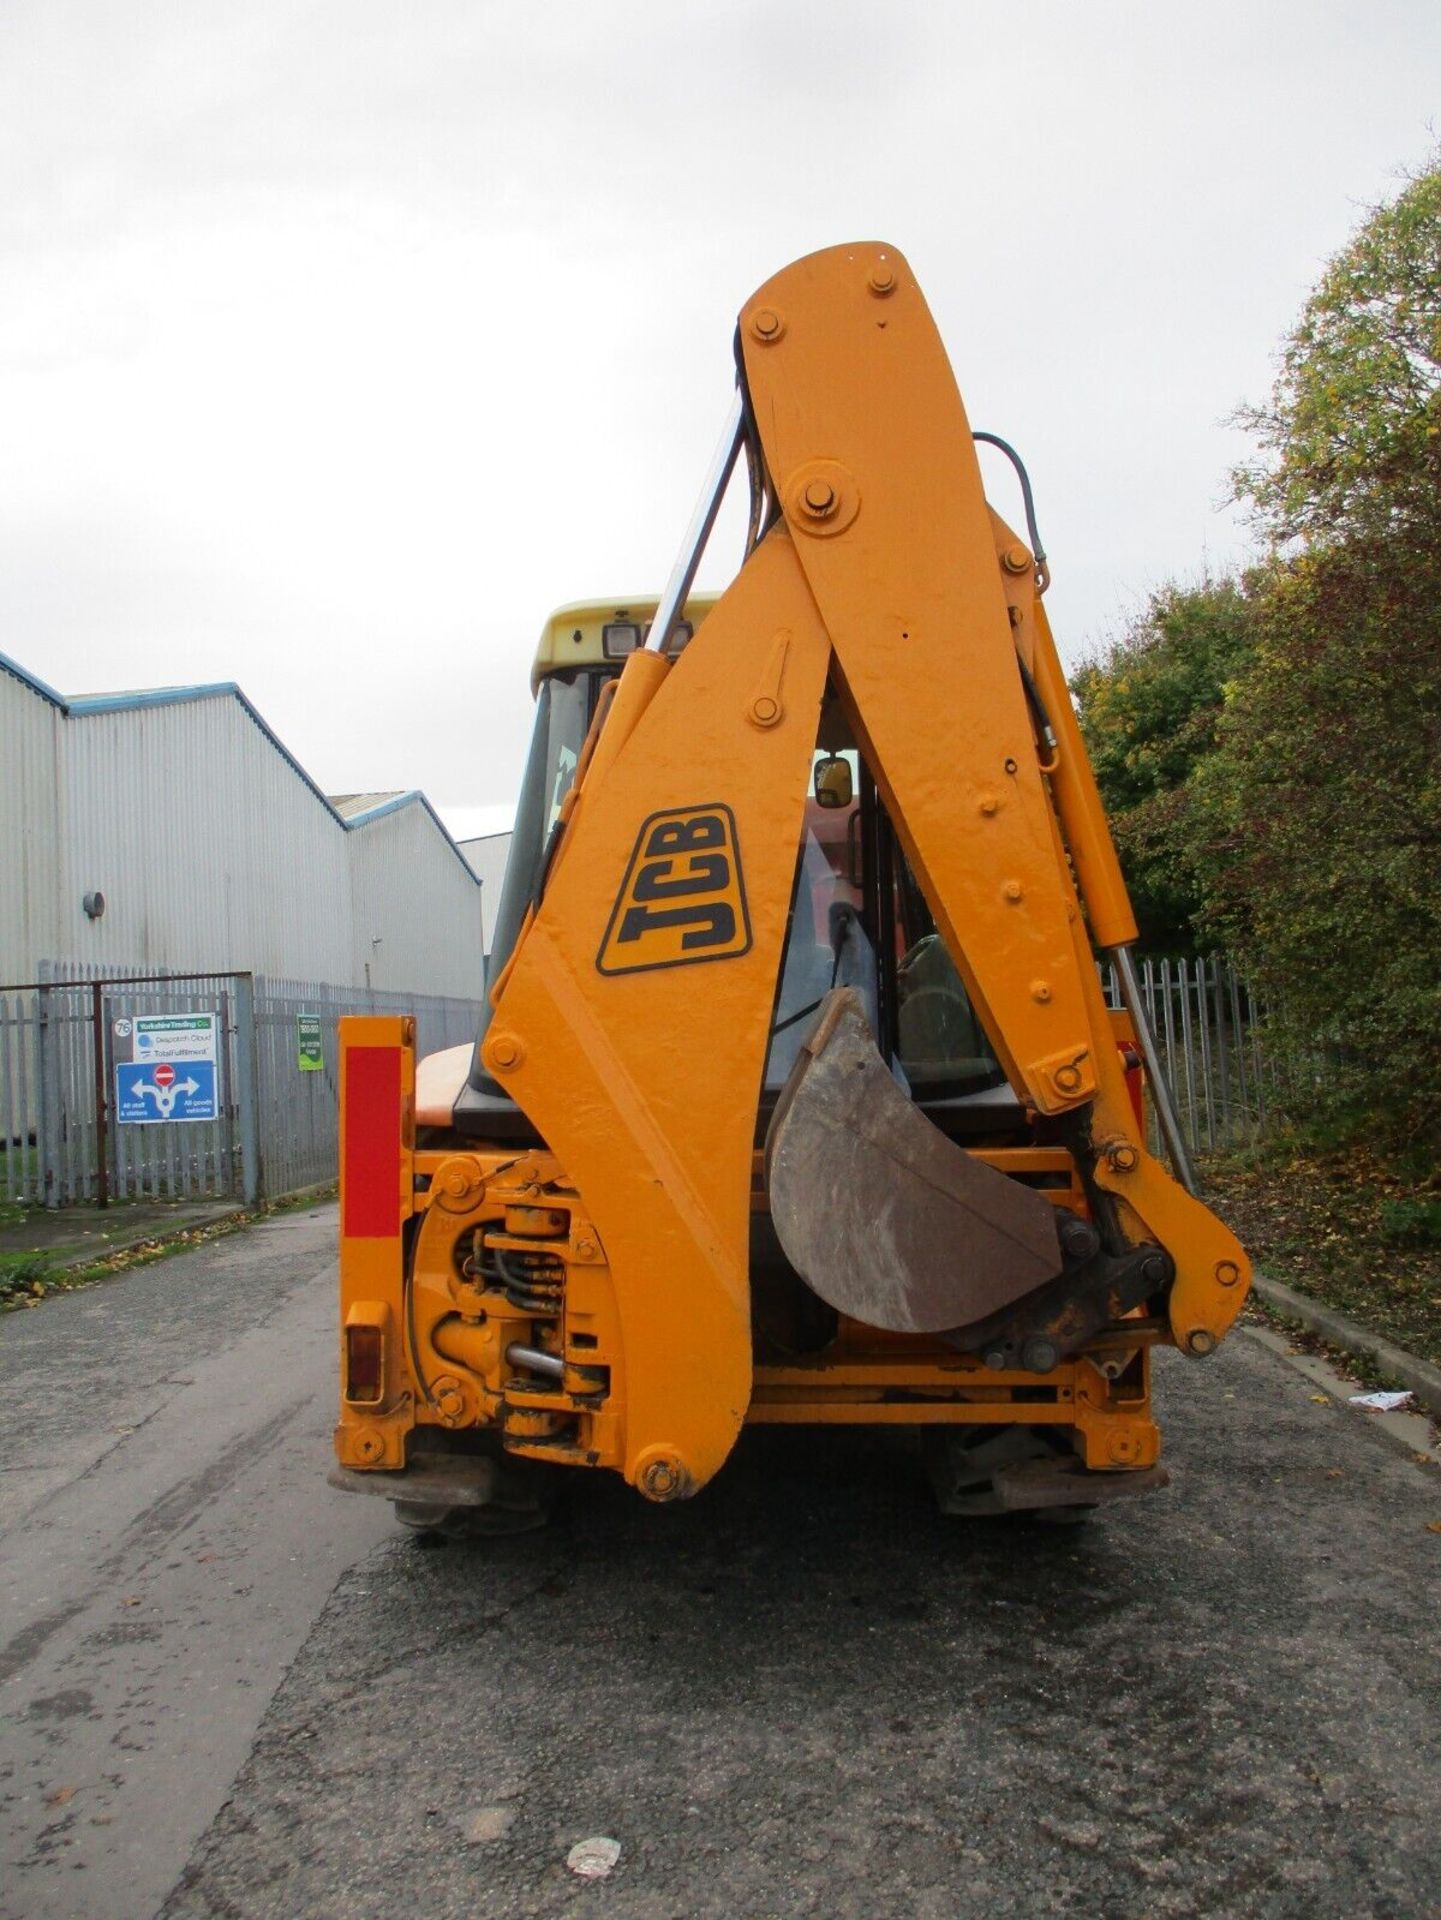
(683, 898)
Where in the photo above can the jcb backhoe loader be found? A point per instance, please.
(796, 1098)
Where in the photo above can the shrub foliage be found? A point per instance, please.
(1270, 747)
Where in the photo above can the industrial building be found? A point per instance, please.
(487, 854)
(171, 830)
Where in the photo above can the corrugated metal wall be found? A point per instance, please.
(213, 852)
(209, 850)
(416, 908)
(487, 855)
(32, 876)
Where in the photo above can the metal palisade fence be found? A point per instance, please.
(299, 1106)
(116, 1086)
(1210, 1028)
(70, 1131)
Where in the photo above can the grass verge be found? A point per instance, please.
(28, 1278)
(1347, 1229)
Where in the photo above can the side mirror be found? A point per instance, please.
(833, 782)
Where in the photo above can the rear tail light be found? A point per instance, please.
(364, 1364)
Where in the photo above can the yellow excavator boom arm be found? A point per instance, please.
(632, 1021)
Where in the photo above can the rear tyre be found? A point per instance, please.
(470, 1523)
(520, 1499)
(967, 1464)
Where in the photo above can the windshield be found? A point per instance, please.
(826, 947)
(562, 715)
(837, 937)
(940, 1043)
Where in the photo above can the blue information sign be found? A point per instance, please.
(147, 1091)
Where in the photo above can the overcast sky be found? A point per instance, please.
(339, 342)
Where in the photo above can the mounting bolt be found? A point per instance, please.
(1041, 991)
(882, 280)
(1078, 1237)
(1038, 1354)
(1067, 1079)
(585, 1249)
(503, 1050)
(449, 1400)
(821, 498)
(1122, 1157)
(1158, 1269)
(1122, 1448)
(1016, 559)
(1227, 1273)
(1200, 1341)
(767, 325)
(1011, 890)
(988, 803)
(661, 1475)
(369, 1445)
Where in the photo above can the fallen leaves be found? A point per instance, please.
(1318, 1223)
(27, 1284)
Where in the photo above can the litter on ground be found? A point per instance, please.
(593, 1859)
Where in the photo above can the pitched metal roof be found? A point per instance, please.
(359, 809)
(32, 681)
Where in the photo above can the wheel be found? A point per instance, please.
(1026, 1470)
(980, 1471)
(499, 1495)
(470, 1523)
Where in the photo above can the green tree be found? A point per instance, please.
(1350, 442)
(1317, 819)
(1149, 705)
(1317, 832)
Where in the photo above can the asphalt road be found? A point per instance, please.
(166, 1541)
(804, 1693)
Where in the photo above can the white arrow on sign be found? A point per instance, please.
(164, 1097)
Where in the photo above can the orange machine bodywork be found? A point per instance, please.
(634, 1038)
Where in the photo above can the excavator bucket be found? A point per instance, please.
(883, 1216)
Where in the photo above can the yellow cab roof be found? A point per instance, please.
(571, 637)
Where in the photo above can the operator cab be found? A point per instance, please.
(858, 915)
